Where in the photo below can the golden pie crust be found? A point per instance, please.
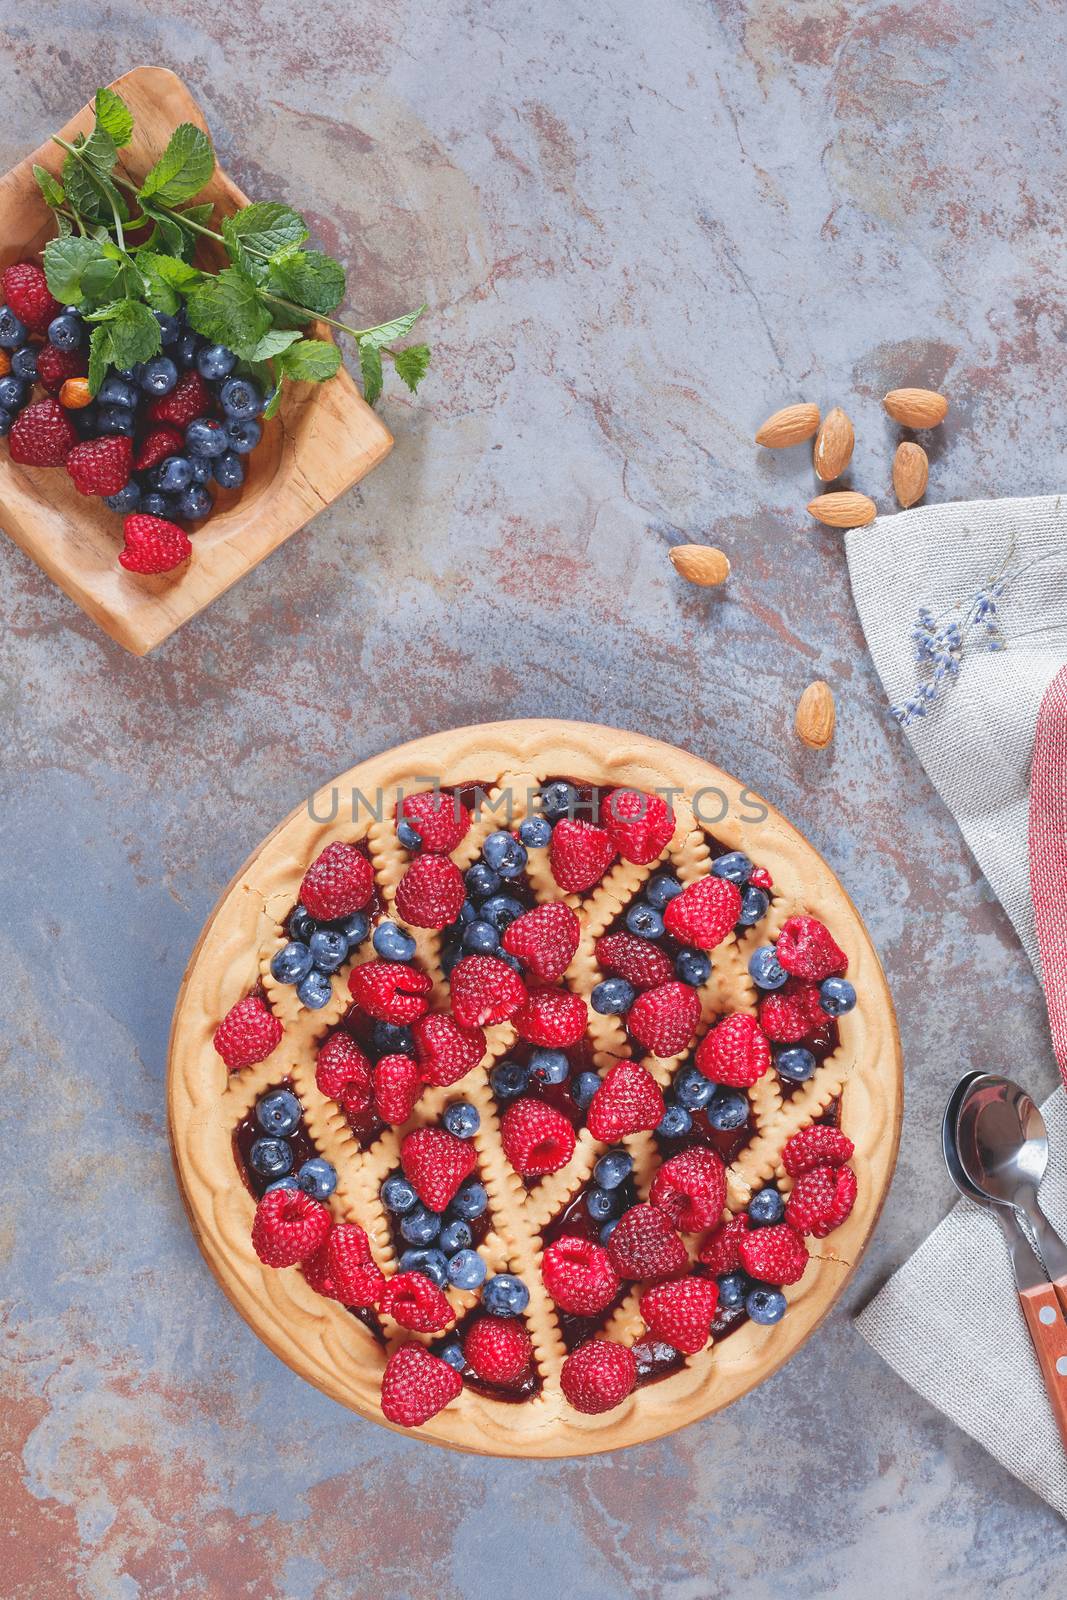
(325, 1343)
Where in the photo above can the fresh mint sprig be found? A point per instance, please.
(123, 251)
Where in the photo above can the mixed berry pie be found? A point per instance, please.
(535, 1087)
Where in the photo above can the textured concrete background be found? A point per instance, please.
(639, 230)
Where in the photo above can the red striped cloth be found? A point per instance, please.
(1048, 855)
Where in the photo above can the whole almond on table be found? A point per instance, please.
(791, 425)
(911, 469)
(701, 563)
(815, 715)
(834, 443)
(843, 509)
(916, 408)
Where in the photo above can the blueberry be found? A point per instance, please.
(836, 996)
(481, 881)
(468, 912)
(660, 889)
(505, 1296)
(185, 350)
(501, 910)
(84, 420)
(314, 990)
(535, 832)
(765, 1208)
(451, 955)
(644, 920)
(240, 398)
(452, 1352)
(127, 499)
(205, 437)
(765, 1305)
(558, 800)
(693, 967)
(481, 939)
(292, 962)
(462, 1119)
(608, 1229)
(202, 468)
(727, 1111)
(508, 1079)
(393, 943)
(419, 1225)
(504, 855)
(732, 1289)
(215, 361)
(271, 1158)
(159, 376)
(392, 1039)
(355, 928)
(194, 503)
(765, 969)
(6, 419)
(584, 1088)
(282, 1183)
(13, 333)
(24, 363)
(318, 1178)
(328, 949)
(131, 374)
(466, 1270)
(433, 1264)
(12, 392)
(692, 1089)
(796, 1065)
(675, 1122)
(244, 433)
(398, 1195)
(549, 1066)
(66, 331)
(601, 1203)
(278, 1113)
(470, 1200)
(115, 392)
(229, 470)
(754, 906)
(613, 1168)
(612, 997)
(301, 924)
(455, 1235)
(734, 867)
(407, 835)
(115, 420)
(175, 474)
(156, 505)
(169, 327)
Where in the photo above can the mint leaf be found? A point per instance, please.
(370, 362)
(310, 279)
(411, 364)
(99, 149)
(169, 278)
(265, 228)
(271, 407)
(49, 186)
(134, 331)
(114, 116)
(65, 261)
(176, 240)
(91, 191)
(388, 332)
(227, 310)
(201, 213)
(99, 280)
(310, 360)
(183, 168)
(99, 356)
(274, 341)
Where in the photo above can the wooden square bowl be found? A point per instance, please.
(324, 438)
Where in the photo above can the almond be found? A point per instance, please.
(844, 509)
(792, 425)
(916, 408)
(701, 563)
(833, 445)
(815, 717)
(910, 472)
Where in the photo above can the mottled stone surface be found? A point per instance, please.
(639, 230)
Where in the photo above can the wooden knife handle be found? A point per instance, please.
(1060, 1286)
(1049, 1333)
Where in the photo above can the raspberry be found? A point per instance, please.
(544, 940)
(289, 1226)
(42, 435)
(343, 1269)
(644, 1245)
(817, 1146)
(190, 398)
(431, 892)
(579, 1276)
(690, 1189)
(248, 1033)
(445, 1051)
(435, 1163)
(397, 1086)
(56, 367)
(629, 1100)
(158, 444)
(537, 1138)
(74, 394)
(27, 293)
(639, 961)
(791, 1014)
(552, 1018)
(101, 466)
(821, 1200)
(341, 1068)
(416, 1386)
(639, 825)
(704, 912)
(806, 950)
(389, 991)
(760, 878)
(598, 1375)
(416, 1303)
(579, 854)
(774, 1255)
(735, 1052)
(720, 1251)
(485, 991)
(440, 820)
(498, 1349)
(664, 1019)
(681, 1313)
(153, 544)
(338, 882)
